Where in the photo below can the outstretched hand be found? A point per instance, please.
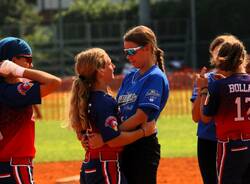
(149, 128)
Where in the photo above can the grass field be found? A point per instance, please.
(176, 135)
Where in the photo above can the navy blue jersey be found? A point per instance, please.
(205, 131)
(148, 91)
(19, 94)
(229, 102)
(17, 123)
(104, 118)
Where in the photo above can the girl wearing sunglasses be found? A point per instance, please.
(17, 126)
(142, 96)
(94, 110)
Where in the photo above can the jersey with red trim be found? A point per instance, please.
(104, 118)
(229, 102)
(16, 115)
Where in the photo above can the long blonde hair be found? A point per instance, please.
(86, 65)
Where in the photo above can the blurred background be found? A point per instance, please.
(58, 29)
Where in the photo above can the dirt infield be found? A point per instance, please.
(171, 171)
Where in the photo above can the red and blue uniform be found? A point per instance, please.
(206, 143)
(229, 103)
(102, 165)
(17, 131)
(148, 92)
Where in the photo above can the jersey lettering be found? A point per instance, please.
(239, 109)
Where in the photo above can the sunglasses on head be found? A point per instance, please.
(132, 51)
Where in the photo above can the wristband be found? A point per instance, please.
(19, 71)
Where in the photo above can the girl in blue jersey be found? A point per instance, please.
(227, 102)
(93, 110)
(141, 98)
(206, 143)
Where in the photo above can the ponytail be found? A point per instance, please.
(160, 59)
(78, 104)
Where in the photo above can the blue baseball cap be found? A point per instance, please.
(12, 46)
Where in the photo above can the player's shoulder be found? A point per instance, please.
(156, 74)
(101, 99)
(130, 75)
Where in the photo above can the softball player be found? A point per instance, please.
(207, 143)
(141, 98)
(16, 116)
(227, 101)
(93, 110)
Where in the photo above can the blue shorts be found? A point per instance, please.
(233, 162)
(101, 171)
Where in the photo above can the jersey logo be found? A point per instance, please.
(111, 122)
(24, 87)
(152, 95)
(125, 99)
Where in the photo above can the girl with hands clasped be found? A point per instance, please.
(206, 142)
(94, 110)
(227, 101)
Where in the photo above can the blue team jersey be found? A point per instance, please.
(104, 115)
(148, 91)
(19, 94)
(205, 131)
(229, 103)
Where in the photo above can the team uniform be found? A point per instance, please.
(17, 131)
(148, 92)
(102, 165)
(229, 103)
(206, 144)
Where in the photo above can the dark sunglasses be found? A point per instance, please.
(28, 58)
(132, 51)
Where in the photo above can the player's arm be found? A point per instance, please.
(204, 118)
(196, 109)
(48, 82)
(129, 137)
(134, 121)
(95, 140)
